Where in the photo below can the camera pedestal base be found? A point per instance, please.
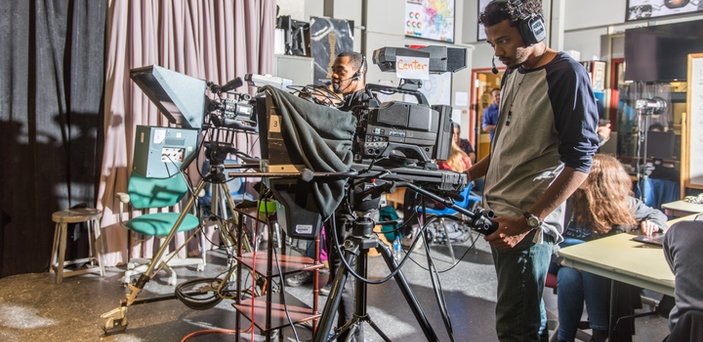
(356, 248)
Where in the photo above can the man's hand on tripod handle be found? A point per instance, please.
(511, 230)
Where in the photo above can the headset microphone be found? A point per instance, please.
(335, 85)
(494, 70)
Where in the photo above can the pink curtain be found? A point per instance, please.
(215, 40)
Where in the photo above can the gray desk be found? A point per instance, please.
(682, 208)
(619, 258)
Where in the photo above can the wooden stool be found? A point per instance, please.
(58, 252)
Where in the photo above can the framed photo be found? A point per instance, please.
(645, 9)
(480, 32)
(430, 19)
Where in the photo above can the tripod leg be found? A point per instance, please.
(233, 214)
(408, 294)
(437, 286)
(335, 297)
(377, 329)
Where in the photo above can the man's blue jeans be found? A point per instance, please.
(521, 271)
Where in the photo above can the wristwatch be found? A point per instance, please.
(532, 221)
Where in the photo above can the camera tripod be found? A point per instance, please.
(116, 319)
(356, 248)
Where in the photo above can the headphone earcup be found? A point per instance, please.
(532, 30)
(357, 74)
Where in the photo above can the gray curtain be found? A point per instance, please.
(51, 85)
(214, 40)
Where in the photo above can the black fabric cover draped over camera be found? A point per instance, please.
(322, 136)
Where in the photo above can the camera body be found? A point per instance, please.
(403, 131)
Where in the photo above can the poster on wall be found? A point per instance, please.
(644, 9)
(430, 19)
(328, 38)
(481, 30)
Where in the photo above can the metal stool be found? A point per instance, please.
(58, 252)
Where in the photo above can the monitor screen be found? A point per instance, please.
(660, 53)
(660, 145)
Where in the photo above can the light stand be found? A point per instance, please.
(645, 108)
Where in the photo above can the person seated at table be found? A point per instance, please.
(682, 250)
(458, 160)
(464, 144)
(603, 205)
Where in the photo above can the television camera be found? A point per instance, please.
(407, 133)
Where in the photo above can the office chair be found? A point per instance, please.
(156, 198)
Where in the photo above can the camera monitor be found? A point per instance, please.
(161, 152)
(181, 98)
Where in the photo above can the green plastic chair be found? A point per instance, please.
(155, 198)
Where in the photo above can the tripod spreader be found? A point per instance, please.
(480, 220)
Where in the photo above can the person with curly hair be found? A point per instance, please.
(542, 148)
(458, 160)
(602, 206)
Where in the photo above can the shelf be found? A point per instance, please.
(299, 311)
(289, 263)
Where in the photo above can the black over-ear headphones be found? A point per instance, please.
(357, 74)
(530, 25)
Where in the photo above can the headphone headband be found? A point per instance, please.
(531, 25)
(359, 71)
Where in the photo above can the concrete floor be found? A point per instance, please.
(34, 308)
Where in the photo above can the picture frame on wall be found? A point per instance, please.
(480, 31)
(647, 9)
(430, 19)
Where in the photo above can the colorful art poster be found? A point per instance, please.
(430, 19)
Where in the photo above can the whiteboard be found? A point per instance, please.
(693, 125)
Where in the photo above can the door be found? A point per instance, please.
(483, 82)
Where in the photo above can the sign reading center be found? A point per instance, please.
(417, 68)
